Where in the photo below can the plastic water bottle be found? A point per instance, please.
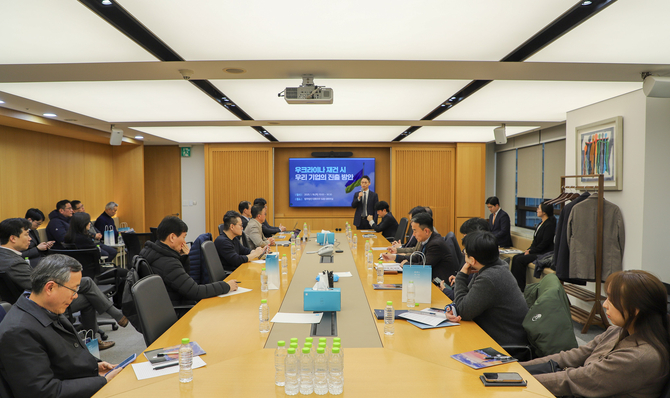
(308, 344)
(120, 240)
(367, 245)
(292, 368)
(380, 272)
(335, 372)
(185, 361)
(304, 232)
(389, 318)
(284, 265)
(280, 363)
(339, 345)
(321, 372)
(264, 316)
(355, 242)
(369, 260)
(411, 294)
(264, 280)
(294, 251)
(306, 372)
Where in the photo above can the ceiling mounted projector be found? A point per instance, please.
(307, 93)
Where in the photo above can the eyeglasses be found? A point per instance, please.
(74, 292)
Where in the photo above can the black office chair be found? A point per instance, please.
(9, 291)
(142, 266)
(400, 232)
(6, 306)
(213, 262)
(154, 234)
(154, 308)
(134, 242)
(220, 229)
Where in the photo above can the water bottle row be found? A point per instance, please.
(309, 371)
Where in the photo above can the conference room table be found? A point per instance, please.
(240, 359)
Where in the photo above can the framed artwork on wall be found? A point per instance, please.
(600, 151)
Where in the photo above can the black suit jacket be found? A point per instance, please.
(33, 254)
(40, 358)
(561, 260)
(269, 230)
(358, 205)
(437, 255)
(501, 228)
(387, 226)
(543, 241)
(245, 221)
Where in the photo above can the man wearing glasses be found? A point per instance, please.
(231, 251)
(59, 222)
(42, 355)
(14, 238)
(37, 250)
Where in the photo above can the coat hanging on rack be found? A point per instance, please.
(561, 260)
(581, 233)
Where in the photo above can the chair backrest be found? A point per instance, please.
(88, 258)
(154, 234)
(9, 291)
(451, 239)
(220, 229)
(154, 307)
(400, 232)
(132, 242)
(212, 262)
(6, 306)
(142, 266)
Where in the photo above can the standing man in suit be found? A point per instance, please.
(499, 222)
(388, 224)
(245, 210)
(364, 202)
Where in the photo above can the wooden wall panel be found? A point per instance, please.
(128, 163)
(234, 173)
(470, 179)
(324, 217)
(162, 183)
(40, 169)
(425, 175)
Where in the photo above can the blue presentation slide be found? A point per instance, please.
(327, 182)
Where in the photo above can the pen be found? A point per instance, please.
(162, 354)
(159, 367)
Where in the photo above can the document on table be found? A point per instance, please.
(259, 261)
(239, 290)
(343, 274)
(145, 370)
(392, 267)
(287, 317)
(429, 318)
(379, 248)
(367, 230)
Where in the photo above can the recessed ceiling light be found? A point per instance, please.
(139, 137)
(106, 2)
(587, 3)
(234, 70)
(49, 114)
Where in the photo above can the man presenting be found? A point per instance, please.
(433, 247)
(499, 222)
(42, 355)
(364, 202)
(254, 229)
(388, 224)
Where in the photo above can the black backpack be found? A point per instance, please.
(136, 270)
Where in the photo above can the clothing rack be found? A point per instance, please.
(597, 315)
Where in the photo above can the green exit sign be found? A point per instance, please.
(186, 152)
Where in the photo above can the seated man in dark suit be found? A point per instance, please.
(168, 258)
(433, 247)
(14, 237)
(499, 222)
(106, 219)
(42, 354)
(231, 251)
(245, 210)
(409, 246)
(388, 224)
(268, 230)
(59, 222)
(37, 249)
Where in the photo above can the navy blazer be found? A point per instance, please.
(40, 358)
(388, 226)
(358, 205)
(501, 228)
(543, 241)
(437, 255)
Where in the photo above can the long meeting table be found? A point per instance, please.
(240, 359)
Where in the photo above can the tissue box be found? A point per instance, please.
(322, 300)
(327, 238)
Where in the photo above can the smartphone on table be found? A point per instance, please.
(503, 377)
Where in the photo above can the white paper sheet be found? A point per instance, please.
(239, 290)
(287, 317)
(428, 318)
(392, 267)
(259, 261)
(343, 274)
(145, 370)
(367, 230)
(379, 248)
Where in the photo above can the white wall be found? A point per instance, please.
(193, 191)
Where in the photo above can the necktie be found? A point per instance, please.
(365, 204)
(494, 219)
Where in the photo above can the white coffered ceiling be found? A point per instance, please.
(389, 63)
